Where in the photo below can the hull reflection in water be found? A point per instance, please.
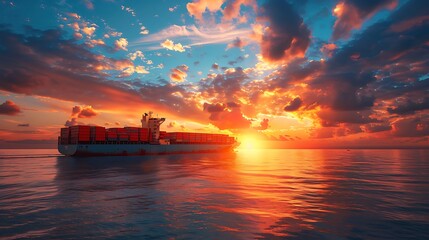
(296, 194)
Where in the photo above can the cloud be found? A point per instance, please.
(411, 127)
(213, 108)
(225, 118)
(263, 125)
(141, 70)
(224, 87)
(171, 124)
(23, 125)
(74, 15)
(78, 75)
(121, 43)
(131, 70)
(88, 30)
(232, 8)
(410, 107)
(352, 13)
(137, 54)
(286, 36)
(198, 7)
(331, 118)
(328, 49)
(143, 30)
(194, 36)
(293, 105)
(93, 42)
(89, 4)
(215, 66)
(367, 84)
(172, 9)
(237, 43)
(373, 128)
(9, 108)
(73, 122)
(74, 26)
(83, 112)
(179, 73)
(128, 9)
(168, 44)
(331, 132)
(78, 36)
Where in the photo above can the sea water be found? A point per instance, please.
(248, 194)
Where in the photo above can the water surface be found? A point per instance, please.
(256, 194)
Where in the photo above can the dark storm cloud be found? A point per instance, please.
(372, 128)
(385, 62)
(411, 127)
(232, 104)
(212, 108)
(224, 86)
(293, 105)
(287, 36)
(410, 107)
(330, 118)
(9, 108)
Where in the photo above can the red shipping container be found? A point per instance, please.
(123, 137)
(98, 133)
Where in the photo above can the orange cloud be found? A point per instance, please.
(121, 44)
(286, 37)
(88, 30)
(179, 73)
(168, 44)
(238, 43)
(9, 108)
(198, 7)
(232, 9)
(351, 14)
(83, 112)
(328, 49)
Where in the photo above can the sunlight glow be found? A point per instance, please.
(250, 142)
(338, 9)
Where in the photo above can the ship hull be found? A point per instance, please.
(139, 149)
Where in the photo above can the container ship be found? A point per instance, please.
(83, 140)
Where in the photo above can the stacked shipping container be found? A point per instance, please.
(143, 134)
(199, 138)
(133, 133)
(79, 133)
(96, 134)
(65, 136)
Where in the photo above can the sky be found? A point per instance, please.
(292, 74)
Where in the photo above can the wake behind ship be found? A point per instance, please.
(82, 140)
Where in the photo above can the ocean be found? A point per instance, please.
(248, 194)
